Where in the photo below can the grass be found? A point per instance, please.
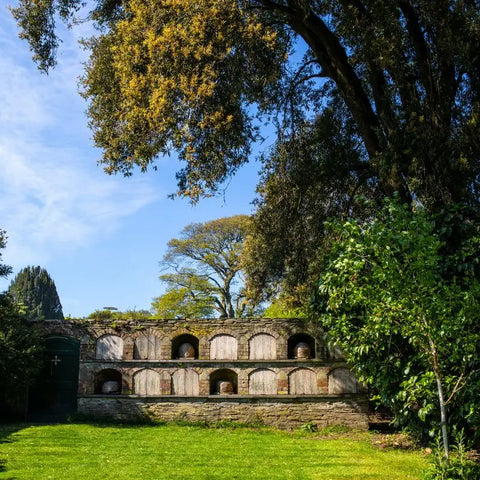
(85, 451)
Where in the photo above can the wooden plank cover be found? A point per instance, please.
(146, 382)
(109, 347)
(342, 380)
(185, 382)
(262, 347)
(223, 347)
(262, 382)
(147, 347)
(302, 381)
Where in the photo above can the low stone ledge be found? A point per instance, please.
(280, 411)
(294, 363)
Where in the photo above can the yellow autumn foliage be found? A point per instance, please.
(173, 80)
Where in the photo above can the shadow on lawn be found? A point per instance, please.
(6, 432)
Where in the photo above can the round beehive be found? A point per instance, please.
(224, 387)
(111, 387)
(186, 350)
(302, 350)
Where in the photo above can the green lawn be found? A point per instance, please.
(80, 451)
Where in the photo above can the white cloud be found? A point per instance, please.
(54, 197)
(51, 203)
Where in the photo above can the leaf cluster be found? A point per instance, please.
(315, 174)
(21, 347)
(5, 270)
(180, 76)
(191, 75)
(384, 300)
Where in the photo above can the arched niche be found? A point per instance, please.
(223, 347)
(146, 382)
(342, 380)
(262, 382)
(296, 346)
(146, 347)
(262, 346)
(181, 347)
(108, 382)
(185, 382)
(302, 381)
(109, 347)
(219, 380)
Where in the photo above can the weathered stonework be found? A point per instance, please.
(279, 412)
(255, 358)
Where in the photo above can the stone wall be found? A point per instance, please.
(279, 412)
(266, 377)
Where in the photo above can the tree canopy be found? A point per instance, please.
(410, 331)
(369, 97)
(192, 75)
(188, 295)
(205, 266)
(305, 180)
(36, 291)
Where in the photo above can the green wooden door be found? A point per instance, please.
(54, 396)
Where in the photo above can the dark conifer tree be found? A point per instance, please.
(34, 288)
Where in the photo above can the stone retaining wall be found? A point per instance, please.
(129, 370)
(276, 411)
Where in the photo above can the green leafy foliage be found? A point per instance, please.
(5, 270)
(20, 347)
(190, 75)
(281, 307)
(458, 467)
(110, 314)
(410, 331)
(385, 99)
(36, 291)
(206, 262)
(188, 296)
(20, 352)
(311, 176)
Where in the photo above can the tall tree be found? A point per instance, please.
(206, 260)
(306, 179)
(189, 75)
(34, 288)
(410, 331)
(188, 295)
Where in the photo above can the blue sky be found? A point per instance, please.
(100, 237)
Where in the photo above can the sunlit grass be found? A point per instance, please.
(81, 451)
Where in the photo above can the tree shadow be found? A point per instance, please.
(6, 436)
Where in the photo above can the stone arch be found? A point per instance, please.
(185, 381)
(223, 347)
(262, 381)
(302, 381)
(294, 349)
(181, 349)
(146, 347)
(108, 381)
(262, 346)
(146, 382)
(219, 380)
(109, 347)
(342, 380)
